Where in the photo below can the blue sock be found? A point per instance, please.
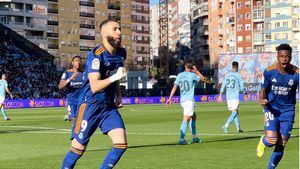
(71, 158)
(193, 127)
(276, 156)
(183, 130)
(231, 118)
(113, 156)
(3, 112)
(268, 144)
(236, 121)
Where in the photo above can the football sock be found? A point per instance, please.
(230, 119)
(3, 112)
(193, 128)
(276, 156)
(236, 121)
(71, 158)
(113, 156)
(183, 128)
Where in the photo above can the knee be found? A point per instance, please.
(121, 146)
(271, 140)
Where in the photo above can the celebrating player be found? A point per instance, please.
(233, 83)
(3, 90)
(186, 81)
(278, 97)
(72, 80)
(102, 97)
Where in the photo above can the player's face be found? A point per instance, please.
(3, 76)
(284, 58)
(113, 34)
(76, 63)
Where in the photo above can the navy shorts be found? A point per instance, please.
(93, 115)
(280, 122)
(72, 108)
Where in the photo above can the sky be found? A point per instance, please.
(153, 2)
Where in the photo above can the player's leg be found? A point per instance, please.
(67, 116)
(85, 126)
(270, 137)
(3, 112)
(193, 129)
(114, 127)
(188, 111)
(232, 106)
(284, 135)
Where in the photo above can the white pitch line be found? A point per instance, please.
(68, 131)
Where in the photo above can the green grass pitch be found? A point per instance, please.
(39, 139)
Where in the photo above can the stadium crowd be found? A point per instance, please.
(28, 77)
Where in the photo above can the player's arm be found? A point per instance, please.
(8, 91)
(97, 85)
(243, 89)
(219, 98)
(63, 81)
(262, 94)
(202, 78)
(169, 101)
(118, 95)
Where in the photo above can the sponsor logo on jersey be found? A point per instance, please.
(291, 82)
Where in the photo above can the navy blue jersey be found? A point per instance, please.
(281, 88)
(73, 88)
(101, 61)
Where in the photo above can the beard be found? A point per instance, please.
(113, 42)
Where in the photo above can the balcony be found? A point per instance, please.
(87, 37)
(55, 11)
(143, 42)
(55, 23)
(53, 35)
(142, 1)
(114, 18)
(87, 26)
(85, 48)
(87, 3)
(90, 15)
(53, 1)
(52, 46)
(142, 11)
(140, 21)
(114, 7)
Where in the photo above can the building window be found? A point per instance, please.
(248, 15)
(277, 24)
(277, 36)
(240, 16)
(248, 49)
(248, 27)
(240, 38)
(239, 5)
(248, 38)
(268, 37)
(239, 27)
(240, 50)
(285, 36)
(285, 24)
(248, 4)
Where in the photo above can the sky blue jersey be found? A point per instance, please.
(187, 82)
(233, 84)
(3, 86)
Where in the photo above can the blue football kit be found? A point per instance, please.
(281, 92)
(99, 109)
(73, 89)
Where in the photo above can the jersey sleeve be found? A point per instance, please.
(223, 85)
(266, 79)
(92, 65)
(5, 84)
(176, 82)
(64, 76)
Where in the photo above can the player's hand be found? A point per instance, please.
(121, 72)
(11, 96)
(74, 75)
(263, 102)
(169, 102)
(219, 99)
(194, 68)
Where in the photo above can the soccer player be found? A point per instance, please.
(234, 84)
(186, 81)
(102, 97)
(72, 80)
(3, 90)
(278, 97)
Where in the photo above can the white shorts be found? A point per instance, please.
(2, 99)
(188, 107)
(233, 104)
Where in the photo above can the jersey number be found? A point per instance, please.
(269, 116)
(184, 85)
(84, 124)
(230, 83)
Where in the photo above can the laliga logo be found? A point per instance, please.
(203, 98)
(31, 103)
(162, 99)
(136, 100)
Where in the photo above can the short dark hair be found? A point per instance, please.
(106, 22)
(284, 47)
(235, 64)
(76, 56)
(189, 62)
